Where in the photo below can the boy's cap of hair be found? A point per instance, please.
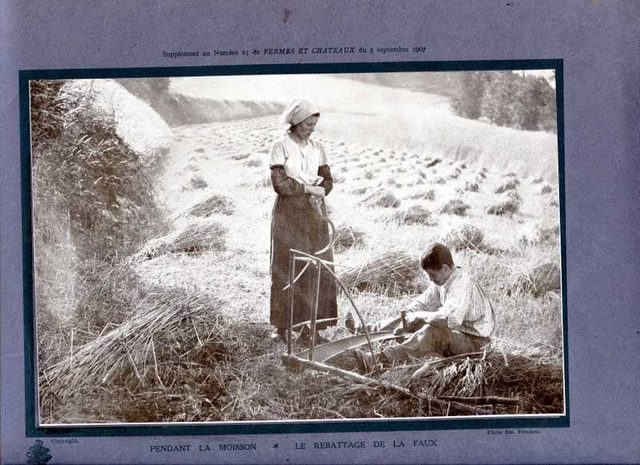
(436, 256)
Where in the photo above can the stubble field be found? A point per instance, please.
(195, 346)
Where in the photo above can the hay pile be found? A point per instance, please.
(508, 186)
(506, 379)
(538, 280)
(196, 237)
(466, 236)
(546, 189)
(195, 182)
(424, 195)
(240, 156)
(145, 349)
(381, 198)
(455, 207)
(471, 187)
(531, 378)
(415, 214)
(215, 204)
(508, 207)
(347, 237)
(391, 269)
(254, 163)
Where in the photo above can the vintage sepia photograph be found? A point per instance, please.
(295, 247)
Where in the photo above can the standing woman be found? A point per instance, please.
(301, 177)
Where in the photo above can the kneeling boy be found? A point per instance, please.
(454, 315)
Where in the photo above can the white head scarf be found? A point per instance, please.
(297, 112)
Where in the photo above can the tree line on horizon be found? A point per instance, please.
(505, 98)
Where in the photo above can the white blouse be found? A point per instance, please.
(300, 163)
(463, 301)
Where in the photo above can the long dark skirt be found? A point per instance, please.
(296, 225)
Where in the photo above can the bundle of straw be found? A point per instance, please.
(529, 376)
(546, 189)
(461, 377)
(508, 207)
(472, 186)
(195, 237)
(196, 182)
(347, 237)
(455, 207)
(429, 194)
(390, 268)
(164, 327)
(537, 281)
(506, 379)
(508, 186)
(215, 204)
(466, 236)
(381, 198)
(415, 214)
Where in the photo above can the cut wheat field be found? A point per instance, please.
(195, 346)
